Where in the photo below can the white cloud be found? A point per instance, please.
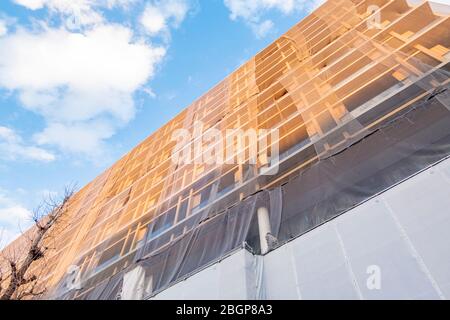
(12, 147)
(248, 9)
(7, 236)
(262, 29)
(86, 137)
(78, 13)
(149, 92)
(104, 57)
(159, 16)
(3, 28)
(31, 4)
(81, 73)
(62, 4)
(13, 219)
(120, 3)
(82, 83)
(252, 11)
(14, 216)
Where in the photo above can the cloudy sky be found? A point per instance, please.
(83, 81)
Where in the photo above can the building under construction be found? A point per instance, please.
(358, 93)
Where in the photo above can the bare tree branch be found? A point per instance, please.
(47, 216)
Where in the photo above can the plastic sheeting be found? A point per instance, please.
(400, 233)
(340, 98)
(110, 289)
(233, 278)
(133, 284)
(399, 148)
(395, 151)
(393, 246)
(358, 113)
(209, 241)
(400, 237)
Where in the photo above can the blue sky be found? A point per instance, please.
(84, 81)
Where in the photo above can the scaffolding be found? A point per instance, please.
(341, 75)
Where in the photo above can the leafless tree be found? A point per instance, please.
(18, 278)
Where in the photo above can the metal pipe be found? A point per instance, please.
(264, 228)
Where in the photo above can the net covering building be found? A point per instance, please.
(357, 94)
